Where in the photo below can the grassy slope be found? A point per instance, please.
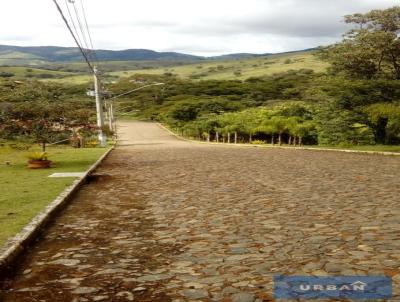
(253, 67)
(23, 72)
(218, 70)
(76, 79)
(375, 148)
(18, 58)
(26, 192)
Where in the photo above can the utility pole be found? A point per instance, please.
(110, 116)
(99, 109)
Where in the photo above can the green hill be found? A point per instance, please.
(226, 69)
(237, 69)
(71, 54)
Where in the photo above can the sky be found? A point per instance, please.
(200, 27)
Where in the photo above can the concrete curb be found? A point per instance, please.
(16, 245)
(178, 136)
(279, 147)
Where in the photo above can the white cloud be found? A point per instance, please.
(206, 27)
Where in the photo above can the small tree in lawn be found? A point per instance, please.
(41, 131)
(44, 122)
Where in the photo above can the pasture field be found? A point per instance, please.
(31, 72)
(237, 69)
(229, 69)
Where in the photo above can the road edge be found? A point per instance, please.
(15, 246)
(387, 153)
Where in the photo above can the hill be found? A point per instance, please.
(223, 69)
(39, 55)
(9, 53)
(240, 69)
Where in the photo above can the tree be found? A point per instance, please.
(342, 127)
(384, 119)
(301, 130)
(250, 120)
(185, 112)
(372, 48)
(44, 122)
(269, 128)
(281, 125)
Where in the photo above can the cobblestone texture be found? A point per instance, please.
(170, 220)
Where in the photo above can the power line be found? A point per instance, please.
(73, 22)
(87, 25)
(80, 26)
(99, 103)
(84, 30)
(73, 35)
(88, 31)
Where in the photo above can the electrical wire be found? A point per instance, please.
(87, 46)
(73, 22)
(75, 39)
(88, 31)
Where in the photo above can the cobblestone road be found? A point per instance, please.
(179, 221)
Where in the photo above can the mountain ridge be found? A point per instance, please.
(72, 54)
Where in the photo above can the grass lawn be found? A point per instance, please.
(376, 148)
(25, 192)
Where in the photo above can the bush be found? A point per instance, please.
(343, 128)
(6, 74)
(258, 142)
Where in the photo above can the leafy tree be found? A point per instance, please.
(269, 128)
(342, 127)
(384, 119)
(185, 112)
(44, 122)
(281, 125)
(372, 48)
(305, 129)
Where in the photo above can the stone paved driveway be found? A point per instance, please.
(179, 221)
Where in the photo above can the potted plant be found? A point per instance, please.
(38, 160)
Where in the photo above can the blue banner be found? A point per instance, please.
(346, 287)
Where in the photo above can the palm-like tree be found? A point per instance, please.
(281, 126)
(303, 129)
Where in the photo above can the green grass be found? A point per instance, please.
(229, 70)
(77, 73)
(73, 79)
(18, 58)
(30, 72)
(208, 70)
(25, 192)
(375, 148)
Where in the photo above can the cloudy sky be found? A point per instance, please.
(202, 27)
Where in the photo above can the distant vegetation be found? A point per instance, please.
(347, 94)
(238, 69)
(252, 66)
(43, 113)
